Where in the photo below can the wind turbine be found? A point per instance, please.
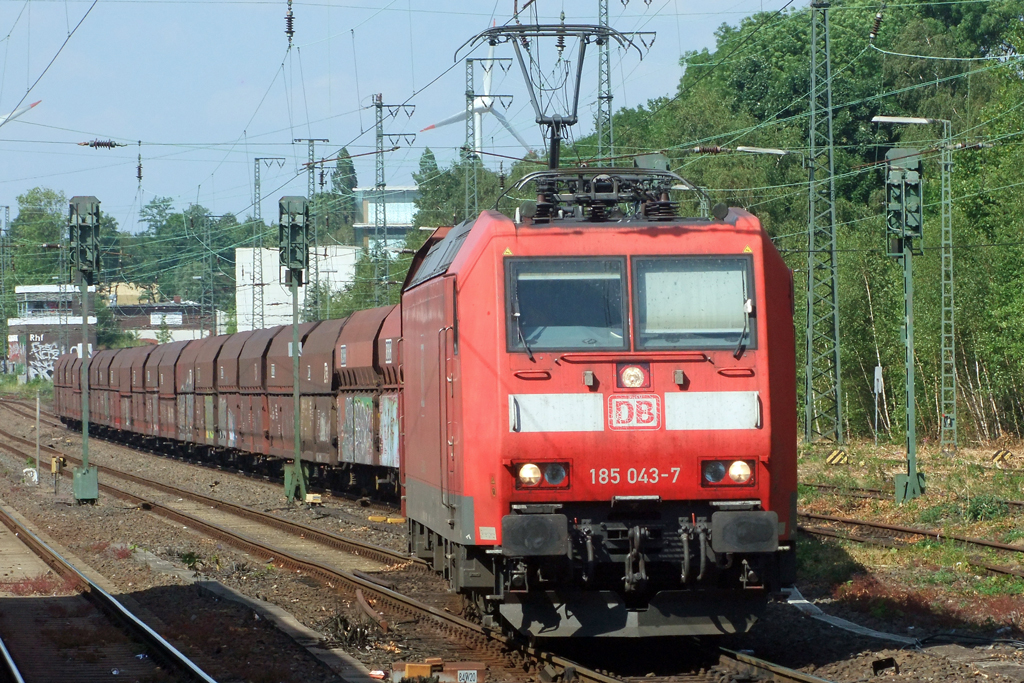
(483, 104)
(15, 114)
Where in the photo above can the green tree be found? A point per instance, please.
(35, 233)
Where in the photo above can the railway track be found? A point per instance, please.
(29, 658)
(16, 406)
(496, 645)
(311, 534)
(894, 536)
(10, 672)
(882, 494)
(28, 412)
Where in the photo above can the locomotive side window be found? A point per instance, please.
(702, 302)
(565, 304)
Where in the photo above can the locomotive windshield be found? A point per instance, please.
(566, 305)
(694, 302)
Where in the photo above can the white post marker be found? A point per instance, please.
(878, 390)
(37, 437)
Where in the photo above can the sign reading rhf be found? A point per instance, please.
(640, 411)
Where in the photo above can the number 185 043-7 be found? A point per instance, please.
(633, 475)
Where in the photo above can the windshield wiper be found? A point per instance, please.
(519, 326)
(748, 308)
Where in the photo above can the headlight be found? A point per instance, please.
(529, 475)
(554, 473)
(632, 377)
(739, 472)
(714, 472)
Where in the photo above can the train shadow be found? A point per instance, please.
(784, 635)
(65, 637)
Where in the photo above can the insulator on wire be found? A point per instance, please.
(289, 24)
(138, 169)
(561, 38)
(501, 175)
(101, 144)
(707, 150)
(877, 25)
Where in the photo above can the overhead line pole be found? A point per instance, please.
(605, 136)
(947, 434)
(380, 223)
(208, 280)
(379, 254)
(5, 271)
(258, 312)
(313, 306)
(63, 304)
(470, 152)
(822, 376)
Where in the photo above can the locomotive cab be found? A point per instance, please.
(600, 412)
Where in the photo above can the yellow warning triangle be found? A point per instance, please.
(508, 252)
(747, 249)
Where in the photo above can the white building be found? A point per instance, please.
(337, 265)
(49, 323)
(399, 208)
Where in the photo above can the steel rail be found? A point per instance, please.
(890, 543)
(382, 594)
(12, 405)
(44, 415)
(880, 494)
(928, 533)
(779, 672)
(319, 536)
(10, 668)
(476, 635)
(104, 600)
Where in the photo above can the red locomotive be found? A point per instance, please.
(589, 412)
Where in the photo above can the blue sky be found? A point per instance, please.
(209, 85)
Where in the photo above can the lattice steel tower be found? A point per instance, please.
(258, 309)
(947, 434)
(823, 396)
(381, 270)
(64, 304)
(379, 253)
(5, 275)
(605, 138)
(257, 250)
(313, 276)
(470, 154)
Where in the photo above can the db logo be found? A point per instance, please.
(641, 411)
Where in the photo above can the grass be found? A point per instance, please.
(9, 386)
(1013, 535)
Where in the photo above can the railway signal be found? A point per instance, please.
(904, 231)
(84, 238)
(947, 425)
(293, 233)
